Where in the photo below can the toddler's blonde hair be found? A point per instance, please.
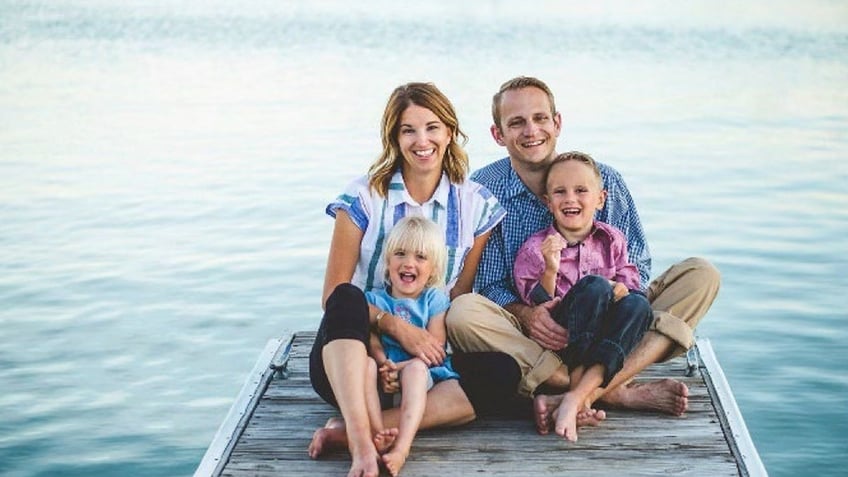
(415, 234)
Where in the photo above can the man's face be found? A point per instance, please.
(528, 129)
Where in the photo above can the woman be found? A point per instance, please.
(421, 171)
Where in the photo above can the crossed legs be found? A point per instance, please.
(680, 298)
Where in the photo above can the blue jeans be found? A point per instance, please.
(601, 331)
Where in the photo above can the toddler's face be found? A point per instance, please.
(409, 273)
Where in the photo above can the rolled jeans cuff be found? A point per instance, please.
(674, 329)
(541, 371)
(610, 355)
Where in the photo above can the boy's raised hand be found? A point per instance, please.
(552, 251)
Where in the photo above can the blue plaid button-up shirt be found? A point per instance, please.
(526, 214)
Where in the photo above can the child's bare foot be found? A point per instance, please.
(393, 461)
(327, 438)
(365, 463)
(666, 395)
(544, 406)
(384, 439)
(566, 417)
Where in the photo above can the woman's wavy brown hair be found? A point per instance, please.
(426, 95)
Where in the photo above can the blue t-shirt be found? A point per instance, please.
(417, 312)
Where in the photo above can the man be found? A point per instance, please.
(527, 123)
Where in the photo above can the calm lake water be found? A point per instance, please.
(164, 168)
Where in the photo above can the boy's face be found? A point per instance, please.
(573, 195)
(409, 273)
(528, 129)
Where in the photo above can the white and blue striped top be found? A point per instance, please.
(464, 211)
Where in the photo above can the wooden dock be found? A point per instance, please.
(270, 425)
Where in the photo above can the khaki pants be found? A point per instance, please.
(680, 297)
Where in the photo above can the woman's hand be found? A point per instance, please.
(418, 342)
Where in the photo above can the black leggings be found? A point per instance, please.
(489, 379)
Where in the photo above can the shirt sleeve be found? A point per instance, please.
(487, 210)
(494, 274)
(353, 200)
(620, 212)
(379, 299)
(437, 302)
(528, 270)
(625, 272)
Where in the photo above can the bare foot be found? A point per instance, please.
(325, 439)
(365, 463)
(666, 395)
(334, 437)
(335, 423)
(590, 417)
(544, 406)
(384, 439)
(566, 417)
(394, 460)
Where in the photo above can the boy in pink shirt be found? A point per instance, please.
(582, 264)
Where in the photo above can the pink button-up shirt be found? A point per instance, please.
(603, 252)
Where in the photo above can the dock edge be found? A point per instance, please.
(218, 452)
(736, 432)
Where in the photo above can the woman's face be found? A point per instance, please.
(423, 139)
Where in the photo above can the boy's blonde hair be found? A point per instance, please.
(417, 234)
(576, 156)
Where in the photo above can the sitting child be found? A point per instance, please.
(415, 258)
(583, 262)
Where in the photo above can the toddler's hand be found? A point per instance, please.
(389, 377)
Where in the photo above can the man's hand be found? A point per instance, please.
(418, 342)
(541, 328)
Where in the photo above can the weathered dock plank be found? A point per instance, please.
(270, 435)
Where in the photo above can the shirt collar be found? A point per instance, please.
(598, 230)
(398, 193)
